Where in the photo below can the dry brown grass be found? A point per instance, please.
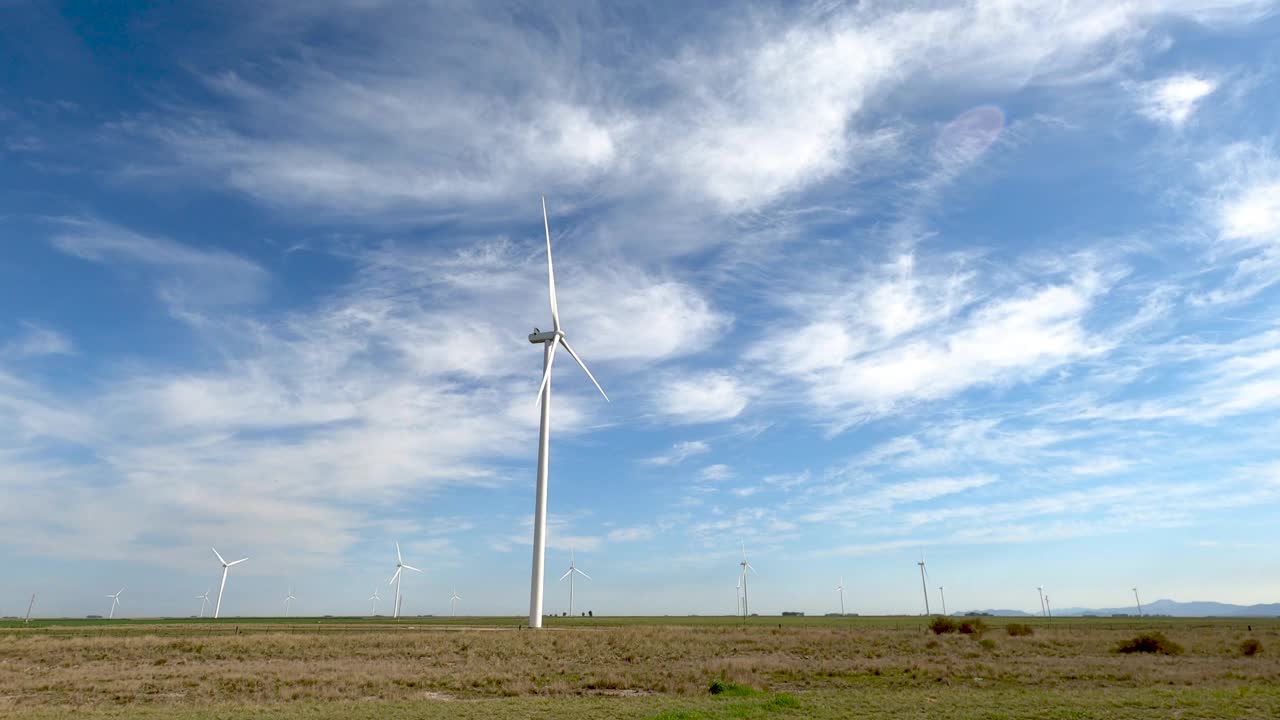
(198, 665)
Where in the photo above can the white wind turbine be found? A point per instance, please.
(924, 584)
(1138, 600)
(115, 603)
(288, 599)
(217, 609)
(204, 601)
(375, 598)
(746, 611)
(943, 593)
(840, 589)
(573, 568)
(453, 602)
(395, 579)
(550, 341)
(737, 609)
(1041, 589)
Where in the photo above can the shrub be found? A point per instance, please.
(1152, 642)
(1019, 629)
(1250, 647)
(728, 689)
(988, 644)
(976, 626)
(940, 625)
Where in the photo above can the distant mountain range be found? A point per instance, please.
(1171, 608)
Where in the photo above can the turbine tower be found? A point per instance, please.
(840, 589)
(746, 611)
(1138, 600)
(29, 606)
(943, 593)
(737, 595)
(115, 603)
(217, 609)
(395, 579)
(573, 568)
(204, 600)
(549, 341)
(1040, 588)
(1047, 607)
(288, 599)
(923, 584)
(375, 598)
(453, 602)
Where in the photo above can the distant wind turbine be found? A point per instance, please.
(924, 584)
(29, 606)
(395, 579)
(375, 598)
(1040, 588)
(737, 595)
(288, 599)
(573, 568)
(204, 600)
(840, 589)
(217, 609)
(1139, 601)
(746, 610)
(453, 602)
(115, 603)
(549, 340)
(943, 593)
(1047, 607)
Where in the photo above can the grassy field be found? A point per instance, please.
(631, 668)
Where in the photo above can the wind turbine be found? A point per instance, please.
(943, 593)
(737, 595)
(840, 589)
(375, 598)
(573, 568)
(1135, 597)
(395, 579)
(550, 341)
(287, 599)
(746, 611)
(453, 602)
(204, 601)
(29, 606)
(217, 609)
(1047, 607)
(1042, 609)
(923, 585)
(115, 603)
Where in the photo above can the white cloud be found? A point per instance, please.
(35, 340)
(679, 452)
(185, 275)
(1172, 100)
(857, 502)
(716, 473)
(631, 534)
(702, 398)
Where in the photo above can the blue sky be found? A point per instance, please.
(995, 282)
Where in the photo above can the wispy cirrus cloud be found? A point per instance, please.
(1172, 100)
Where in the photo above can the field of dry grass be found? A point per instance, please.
(848, 667)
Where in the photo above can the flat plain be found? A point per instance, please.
(829, 667)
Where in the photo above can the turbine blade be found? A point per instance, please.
(551, 272)
(393, 577)
(215, 552)
(583, 365)
(546, 375)
(410, 567)
(399, 560)
(752, 569)
(582, 573)
(237, 562)
(566, 574)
